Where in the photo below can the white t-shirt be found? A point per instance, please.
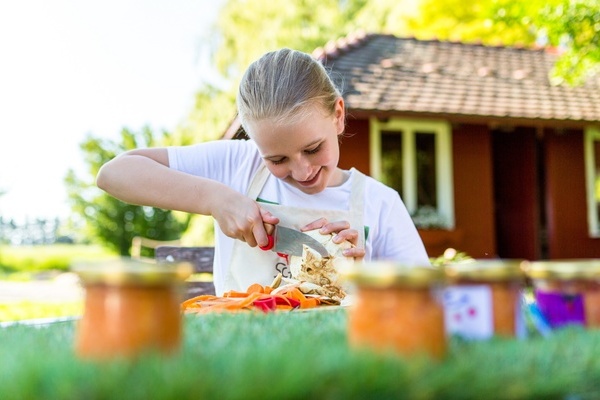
(390, 232)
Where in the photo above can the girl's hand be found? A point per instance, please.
(343, 232)
(241, 218)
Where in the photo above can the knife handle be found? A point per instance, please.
(270, 231)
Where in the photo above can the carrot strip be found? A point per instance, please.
(234, 293)
(193, 300)
(310, 303)
(297, 295)
(255, 288)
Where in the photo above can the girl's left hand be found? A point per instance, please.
(343, 232)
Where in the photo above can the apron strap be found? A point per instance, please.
(357, 196)
(258, 182)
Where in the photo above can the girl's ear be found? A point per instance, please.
(340, 115)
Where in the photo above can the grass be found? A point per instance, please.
(297, 356)
(56, 257)
(26, 263)
(21, 310)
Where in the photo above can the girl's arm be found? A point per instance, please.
(143, 177)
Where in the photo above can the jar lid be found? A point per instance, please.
(389, 273)
(564, 269)
(485, 270)
(128, 271)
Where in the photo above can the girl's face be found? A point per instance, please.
(305, 153)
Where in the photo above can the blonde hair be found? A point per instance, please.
(282, 85)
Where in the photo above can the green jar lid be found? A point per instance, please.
(389, 273)
(485, 270)
(126, 271)
(564, 269)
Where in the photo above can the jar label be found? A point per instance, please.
(561, 309)
(468, 311)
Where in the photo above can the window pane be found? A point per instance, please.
(426, 179)
(391, 159)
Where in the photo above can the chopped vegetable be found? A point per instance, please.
(256, 297)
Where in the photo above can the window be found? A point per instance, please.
(592, 167)
(415, 158)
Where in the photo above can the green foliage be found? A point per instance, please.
(248, 28)
(111, 221)
(450, 256)
(470, 22)
(46, 258)
(213, 111)
(572, 24)
(576, 25)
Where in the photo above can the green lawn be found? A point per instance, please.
(21, 310)
(299, 355)
(24, 263)
(37, 259)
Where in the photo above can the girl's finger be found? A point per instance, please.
(314, 225)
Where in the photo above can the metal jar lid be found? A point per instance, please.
(488, 270)
(389, 273)
(564, 269)
(127, 271)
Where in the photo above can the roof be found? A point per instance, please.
(385, 73)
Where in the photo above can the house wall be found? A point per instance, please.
(354, 147)
(473, 190)
(566, 209)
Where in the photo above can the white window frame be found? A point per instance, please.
(443, 160)
(591, 135)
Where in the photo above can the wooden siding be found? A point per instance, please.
(473, 190)
(566, 197)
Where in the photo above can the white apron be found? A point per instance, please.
(252, 265)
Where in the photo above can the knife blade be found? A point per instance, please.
(289, 241)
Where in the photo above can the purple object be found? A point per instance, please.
(561, 309)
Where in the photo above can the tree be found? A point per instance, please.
(571, 25)
(248, 28)
(109, 220)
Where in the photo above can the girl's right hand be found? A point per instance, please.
(241, 218)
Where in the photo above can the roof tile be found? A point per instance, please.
(389, 73)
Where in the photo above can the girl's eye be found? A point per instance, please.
(277, 162)
(313, 151)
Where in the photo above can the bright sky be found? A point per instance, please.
(73, 67)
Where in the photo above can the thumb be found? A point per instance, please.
(268, 218)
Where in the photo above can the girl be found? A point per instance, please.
(286, 173)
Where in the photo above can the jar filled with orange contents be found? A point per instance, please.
(483, 299)
(397, 307)
(567, 292)
(130, 307)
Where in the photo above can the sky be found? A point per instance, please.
(69, 68)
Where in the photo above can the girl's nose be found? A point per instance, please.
(301, 170)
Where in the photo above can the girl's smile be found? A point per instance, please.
(303, 153)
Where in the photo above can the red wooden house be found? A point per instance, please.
(508, 162)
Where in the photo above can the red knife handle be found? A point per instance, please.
(270, 232)
(269, 245)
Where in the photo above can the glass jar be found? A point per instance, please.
(130, 307)
(483, 299)
(567, 292)
(396, 307)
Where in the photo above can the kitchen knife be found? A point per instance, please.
(289, 241)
